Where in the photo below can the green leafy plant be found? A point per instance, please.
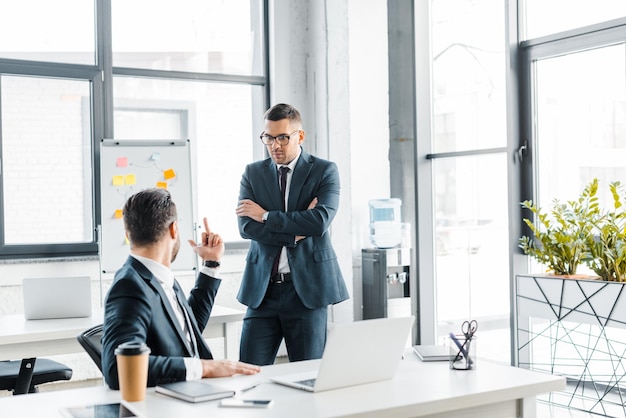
(607, 249)
(561, 240)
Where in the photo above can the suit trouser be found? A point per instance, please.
(282, 315)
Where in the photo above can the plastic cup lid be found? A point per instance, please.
(131, 348)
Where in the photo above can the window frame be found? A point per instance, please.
(523, 170)
(68, 72)
(530, 51)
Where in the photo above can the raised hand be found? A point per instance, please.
(211, 245)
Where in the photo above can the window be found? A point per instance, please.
(576, 95)
(580, 132)
(46, 155)
(543, 17)
(52, 31)
(468, 164)
(217, 118)
(197, 35)
(196, 71)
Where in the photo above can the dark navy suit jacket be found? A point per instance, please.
(314, 268)
(137, 309)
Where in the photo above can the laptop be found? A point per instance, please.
(57, 297)
(356, 353)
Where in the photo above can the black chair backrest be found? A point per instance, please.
(90, 341)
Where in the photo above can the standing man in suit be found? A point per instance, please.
(146, 304)
(291, 273)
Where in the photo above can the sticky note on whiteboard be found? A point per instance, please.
(118, 180)
(122, 162)
(169, 174)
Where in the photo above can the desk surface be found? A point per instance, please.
(20, 338)
(418, 390)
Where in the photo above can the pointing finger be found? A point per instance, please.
(206, 226)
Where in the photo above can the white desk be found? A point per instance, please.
(418, 390)
(20, 338)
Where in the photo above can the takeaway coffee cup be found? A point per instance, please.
(132, 370)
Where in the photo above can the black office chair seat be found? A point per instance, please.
(24, 376)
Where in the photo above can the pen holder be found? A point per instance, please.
(462, 352)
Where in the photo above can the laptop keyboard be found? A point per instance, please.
(307, 382)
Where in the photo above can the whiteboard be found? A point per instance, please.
(129, 166)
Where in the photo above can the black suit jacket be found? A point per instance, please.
(137, 309)
(314, 268)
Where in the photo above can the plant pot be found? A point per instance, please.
(577, 329)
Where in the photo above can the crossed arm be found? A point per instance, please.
(283, 228)
(254, 211)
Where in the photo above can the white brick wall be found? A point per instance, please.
(45, 159)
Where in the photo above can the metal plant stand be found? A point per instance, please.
(576, 329)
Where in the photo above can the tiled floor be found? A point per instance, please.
(547, 411)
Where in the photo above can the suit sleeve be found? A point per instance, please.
(202, 298)
(281, 227)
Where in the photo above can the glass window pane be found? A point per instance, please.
(142, 123)
(209, 36)
(46, 156)
(547, 17)
(580, 123)
(218, 120)
(43, 30)
(470, 193)
(469, 110)
(471, 239)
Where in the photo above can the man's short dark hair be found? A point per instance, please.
(282, 111)
(148, 215)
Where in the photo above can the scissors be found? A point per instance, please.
(469, 329)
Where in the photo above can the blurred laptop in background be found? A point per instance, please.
(57, 297)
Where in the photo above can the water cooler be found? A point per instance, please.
(385, 268)
(386, 282)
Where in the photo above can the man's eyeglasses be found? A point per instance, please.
(281, 139)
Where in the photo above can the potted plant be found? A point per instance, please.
(561, 241)
(607, 249)
(572, 327)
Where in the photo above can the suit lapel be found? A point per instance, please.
(300, 174)
(270, 179)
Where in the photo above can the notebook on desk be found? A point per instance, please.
(432, 352)
(356, 353)
(57, 297)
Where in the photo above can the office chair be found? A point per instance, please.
(24, 376)
(90, 341)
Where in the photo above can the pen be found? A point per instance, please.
(252, 386)
(461, 348)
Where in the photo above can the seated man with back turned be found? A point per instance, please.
(146, 304)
